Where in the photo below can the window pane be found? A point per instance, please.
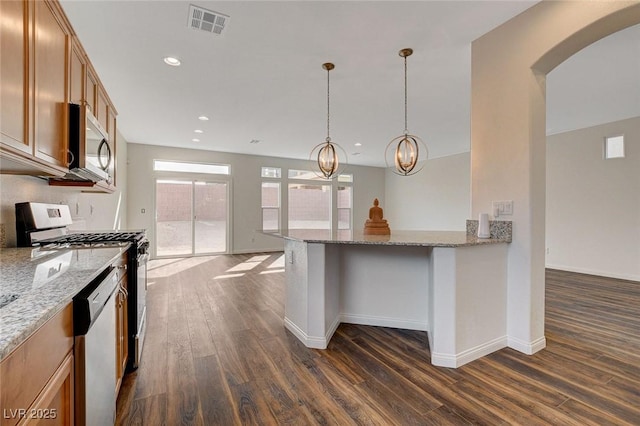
(344, 197)
(309, 206)
(614, 147)
(271, 172)
(210, 219)
(345, 178)
(270, 194)
(344, 218)
(305, 174)
(270, 219)
(179, 166)
(173, 218)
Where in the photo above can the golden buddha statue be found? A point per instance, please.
(376, 224)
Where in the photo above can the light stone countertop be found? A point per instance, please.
(34, 289)
(397, 238)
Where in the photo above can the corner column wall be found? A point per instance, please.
(508, 134)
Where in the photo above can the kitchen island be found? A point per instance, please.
(450, 284)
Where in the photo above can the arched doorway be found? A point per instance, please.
(508, 137)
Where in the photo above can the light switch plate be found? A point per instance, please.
(502, 208)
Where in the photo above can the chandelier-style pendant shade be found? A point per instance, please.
(328, 160)
(326, 153)
(403, 152)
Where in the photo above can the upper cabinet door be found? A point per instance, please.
(14, 68)
(77, 74)
(91, 90)
(101, 110)
(51, 53)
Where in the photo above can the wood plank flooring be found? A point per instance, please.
(216, 353)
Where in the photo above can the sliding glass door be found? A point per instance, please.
(191, 217)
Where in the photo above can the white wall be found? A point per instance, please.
(95, 211)
(436, 198)
(508, 138)
(593, 204)
(246, 213)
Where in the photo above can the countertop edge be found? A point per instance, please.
(401, 243)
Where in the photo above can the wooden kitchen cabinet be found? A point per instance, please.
(45, 69)
(91, 89)
(14, 89)
(51, 39)
(55, 404)
(102, 112)
(122, 328)
(35, 35)
(77, 74)
(38, 376)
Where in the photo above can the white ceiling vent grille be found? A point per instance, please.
(207, 20)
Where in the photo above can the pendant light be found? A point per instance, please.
(326, 153)
(403, 151)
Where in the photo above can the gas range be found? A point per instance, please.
(46, 226)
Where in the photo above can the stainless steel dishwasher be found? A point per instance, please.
(94, 323)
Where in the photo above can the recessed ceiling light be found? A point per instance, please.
(203, 118)
(198, 131)
(174, 62)
(195, 140)
(357, 144)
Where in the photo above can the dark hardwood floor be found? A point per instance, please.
(217, 353)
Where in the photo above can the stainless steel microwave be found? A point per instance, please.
(89, 151)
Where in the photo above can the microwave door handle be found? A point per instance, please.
(104, 143)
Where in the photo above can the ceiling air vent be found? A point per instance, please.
(207, 20)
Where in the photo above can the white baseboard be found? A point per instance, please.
(383, 322)
(309, 341)
(630, 277)
(464, 357)
(314, 342)
(255, 250)
(528, 348)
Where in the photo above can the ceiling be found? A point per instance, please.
(262, 79)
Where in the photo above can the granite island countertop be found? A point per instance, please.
(397, 238)
(35, 285)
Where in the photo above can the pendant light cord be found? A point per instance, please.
(406, 127)
(328, 115)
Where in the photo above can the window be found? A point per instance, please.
(614, 147)
(305, 175)
(270, 206)
(186, 167)
(309, 206)
(345, 204)
(309, 175)
(271, 172)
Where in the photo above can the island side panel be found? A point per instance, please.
(481, 300)
(296, 303)
(442, 307)
(312, 296)
(469, 303)
(385, 285)
(332, 311)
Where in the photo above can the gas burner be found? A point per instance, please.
(94, 240)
